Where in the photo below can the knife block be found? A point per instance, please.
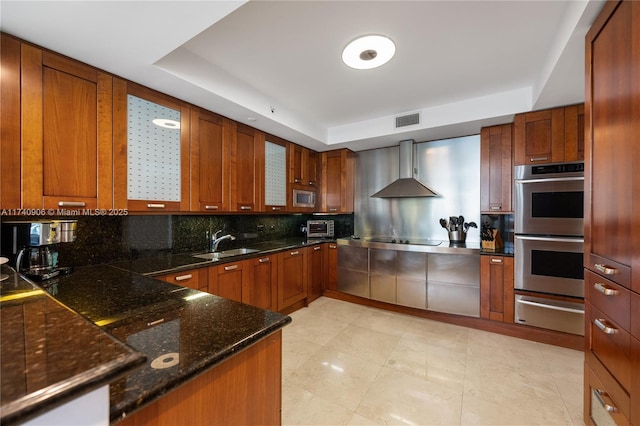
(495, 244)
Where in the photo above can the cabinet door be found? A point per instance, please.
(210, 162)
(496, 288)
(331, 266)
(296, 154)
(195, 279)
(292, 277)
(316, 272)
(496, 169)
(226, 280)
(574, 133)
(247, 162)
(260, 284)
(151, 150)
(311, 168)
(539, 137)
(337, 181)
(66, 132)
(275, 175)
(10, 122)
(612, 232)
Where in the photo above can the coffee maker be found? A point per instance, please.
(32, 246)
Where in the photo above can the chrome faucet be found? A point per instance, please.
(215, 240)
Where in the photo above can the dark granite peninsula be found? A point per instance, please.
(185, 334)
(53, 358)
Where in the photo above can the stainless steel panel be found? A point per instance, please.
(599, 410)
(353, 257)
(353, 270)
(412, 293)
(453, 298)
(450, 167)
(383, 288)
(353, 282)
(412, 266)
(461, 269)
(382, 262)
(550, 314)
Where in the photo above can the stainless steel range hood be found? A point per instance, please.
(406, 186)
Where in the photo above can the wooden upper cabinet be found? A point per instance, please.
(10, 123)
(247, 168)
(303, 165)
(66, 132)
(210, 161)
(574, 133)
(549, 136)
(337, 181)
(276, 194)
(496, 169)
(151, 150)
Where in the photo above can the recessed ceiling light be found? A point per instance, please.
(368, 52)
(251, 119)
(166, 123)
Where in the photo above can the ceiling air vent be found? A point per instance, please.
(408, 120)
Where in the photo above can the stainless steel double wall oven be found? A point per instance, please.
(548, 246)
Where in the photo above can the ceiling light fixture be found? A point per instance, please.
(368, 52)
(166, 123)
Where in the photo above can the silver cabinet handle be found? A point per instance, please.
(184, 277)
(494, 260)
(495, 207)
(156, 322)
(275, 209)
(601, 324)
(334, 209)
(245, 207)
(71, 204)
(333, 246)
(293, 253)
(600, 394)
(211, 207)
(560, 179)
(605, 289)
(230, 268)
(312, 183)
(317, 248)
(532, 159)
(263, 260)
(553, 239)
(607, 270)
(296, 180)
(553, 307)
(155, 206)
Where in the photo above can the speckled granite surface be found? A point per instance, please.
(182, 332)
(50, 355)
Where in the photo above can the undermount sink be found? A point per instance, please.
(226, 253)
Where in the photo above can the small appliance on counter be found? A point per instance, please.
(32, 246)
(320, 229)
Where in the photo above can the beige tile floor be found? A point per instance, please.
(346, 364)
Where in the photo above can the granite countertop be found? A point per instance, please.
(182, 332)
(170, 263)
(46, 360)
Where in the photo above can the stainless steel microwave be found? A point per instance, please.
(304, 198)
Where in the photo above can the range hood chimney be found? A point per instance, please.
(406, 186)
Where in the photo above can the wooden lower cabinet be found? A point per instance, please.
(292, 277)
(196, 279)
(316, 275)
(260, 282)
(246, 389)
(226, 280)
(496, 288)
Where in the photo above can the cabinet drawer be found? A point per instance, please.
(195, 279)
(615, 271)
(610, 298)
(611, 344)
(635, 316)
(608, 403)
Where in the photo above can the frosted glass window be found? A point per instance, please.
(275, 174)
(153, 152)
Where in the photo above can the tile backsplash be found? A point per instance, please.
(107, 239)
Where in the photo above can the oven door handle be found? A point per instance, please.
(565, 179)
(543, 305)
(554, 239)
